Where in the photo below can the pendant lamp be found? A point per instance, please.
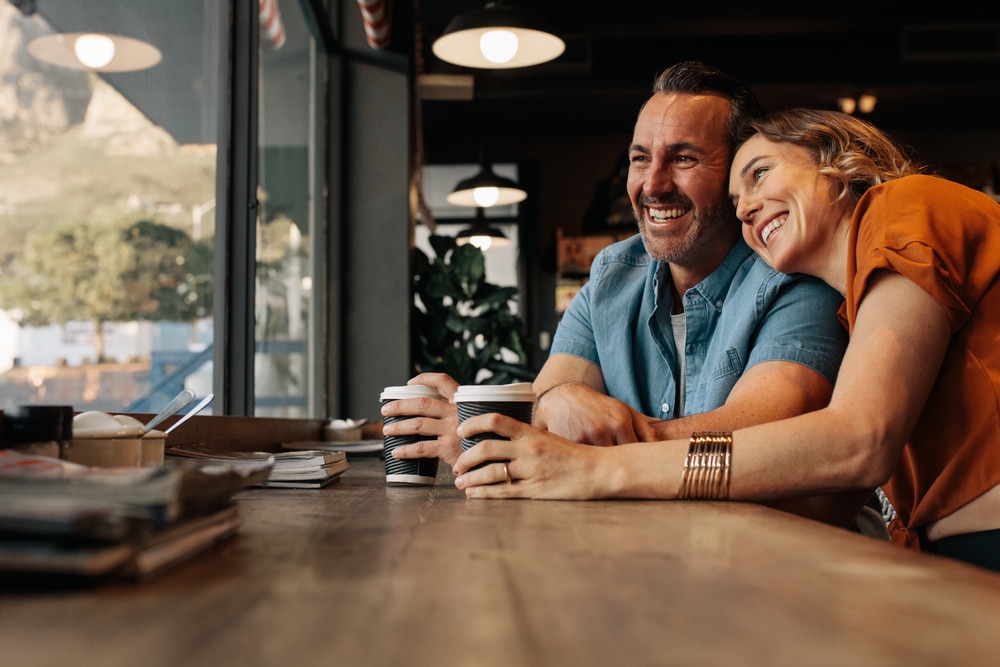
(100, 52)
(481, 235)
(497, 37)
(486, 189)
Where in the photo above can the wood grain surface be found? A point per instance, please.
(361, 573)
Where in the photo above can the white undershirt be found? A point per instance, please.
(679, 324)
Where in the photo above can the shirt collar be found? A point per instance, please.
(714, 288)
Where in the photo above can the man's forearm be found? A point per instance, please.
(562, 369)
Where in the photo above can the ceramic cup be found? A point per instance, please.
(515, 400)
(420, 472)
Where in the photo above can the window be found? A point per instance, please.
(438, 180)
(290, 143)
(107, 182)
(112, 183)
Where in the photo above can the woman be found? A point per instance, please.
(915, 406)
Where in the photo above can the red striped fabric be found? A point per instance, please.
(272, 30)
(376, 22)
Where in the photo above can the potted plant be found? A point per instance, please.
(462, 324)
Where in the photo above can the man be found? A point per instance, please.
(682, 327)
(684, 319)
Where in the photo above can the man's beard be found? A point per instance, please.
(705, 226)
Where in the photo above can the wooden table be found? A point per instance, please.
(364, 574)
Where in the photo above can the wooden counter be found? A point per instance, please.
(364, 574)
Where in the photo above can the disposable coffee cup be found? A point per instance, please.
(415, 472)
(515, 400)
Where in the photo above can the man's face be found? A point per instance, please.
(678, 177)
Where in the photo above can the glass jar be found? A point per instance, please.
(37, 430)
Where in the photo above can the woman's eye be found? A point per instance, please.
(758, 173)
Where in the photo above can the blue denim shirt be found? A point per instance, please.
(742, 314)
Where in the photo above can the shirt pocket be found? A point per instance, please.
(730, 365)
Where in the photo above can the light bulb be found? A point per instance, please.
(486, 197)
(498, 46)
(481, 242)
(847, 104)
(866, 103)
(94, 51)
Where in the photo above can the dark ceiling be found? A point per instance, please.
(936, 68)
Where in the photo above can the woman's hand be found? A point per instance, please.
(541, 464)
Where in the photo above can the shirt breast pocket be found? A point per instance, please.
(729, 366)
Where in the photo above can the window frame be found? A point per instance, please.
(236, 212)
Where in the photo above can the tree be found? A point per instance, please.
(171, 275)
(464, 325)
(108, 272)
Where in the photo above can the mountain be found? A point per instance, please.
(71, 147)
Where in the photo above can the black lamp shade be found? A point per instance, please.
(461, 41)
(482, 236)
(506, 190)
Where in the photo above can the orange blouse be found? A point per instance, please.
(944, 237)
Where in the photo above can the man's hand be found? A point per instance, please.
(582, 414)
(431, 418)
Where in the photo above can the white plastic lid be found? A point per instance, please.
(518, 391)
(409, 391)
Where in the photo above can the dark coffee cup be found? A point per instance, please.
(515, 400)
(421, 472)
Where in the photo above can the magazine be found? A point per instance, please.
(58, 517)
(34, 485)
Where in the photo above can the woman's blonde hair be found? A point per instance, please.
(851, 151)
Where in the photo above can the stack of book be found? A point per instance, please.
(306, 469)
(297, 469)
(63, 518)
(349, 447)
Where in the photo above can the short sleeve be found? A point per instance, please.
(932, 232)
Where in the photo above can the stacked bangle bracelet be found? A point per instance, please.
(706, 468)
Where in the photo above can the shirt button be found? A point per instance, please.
(718, 304)
(665, 407)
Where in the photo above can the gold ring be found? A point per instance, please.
(506, 473)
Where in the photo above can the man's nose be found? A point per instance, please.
(659, 179)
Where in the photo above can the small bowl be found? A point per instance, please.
(103, 440)
(343, 430)
(153, 445)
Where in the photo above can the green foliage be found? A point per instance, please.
(171, 275)
(109, 271)
(462, 324)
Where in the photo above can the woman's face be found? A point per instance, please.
(789, 210)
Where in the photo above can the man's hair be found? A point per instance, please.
(852, 151)
(696, 78)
